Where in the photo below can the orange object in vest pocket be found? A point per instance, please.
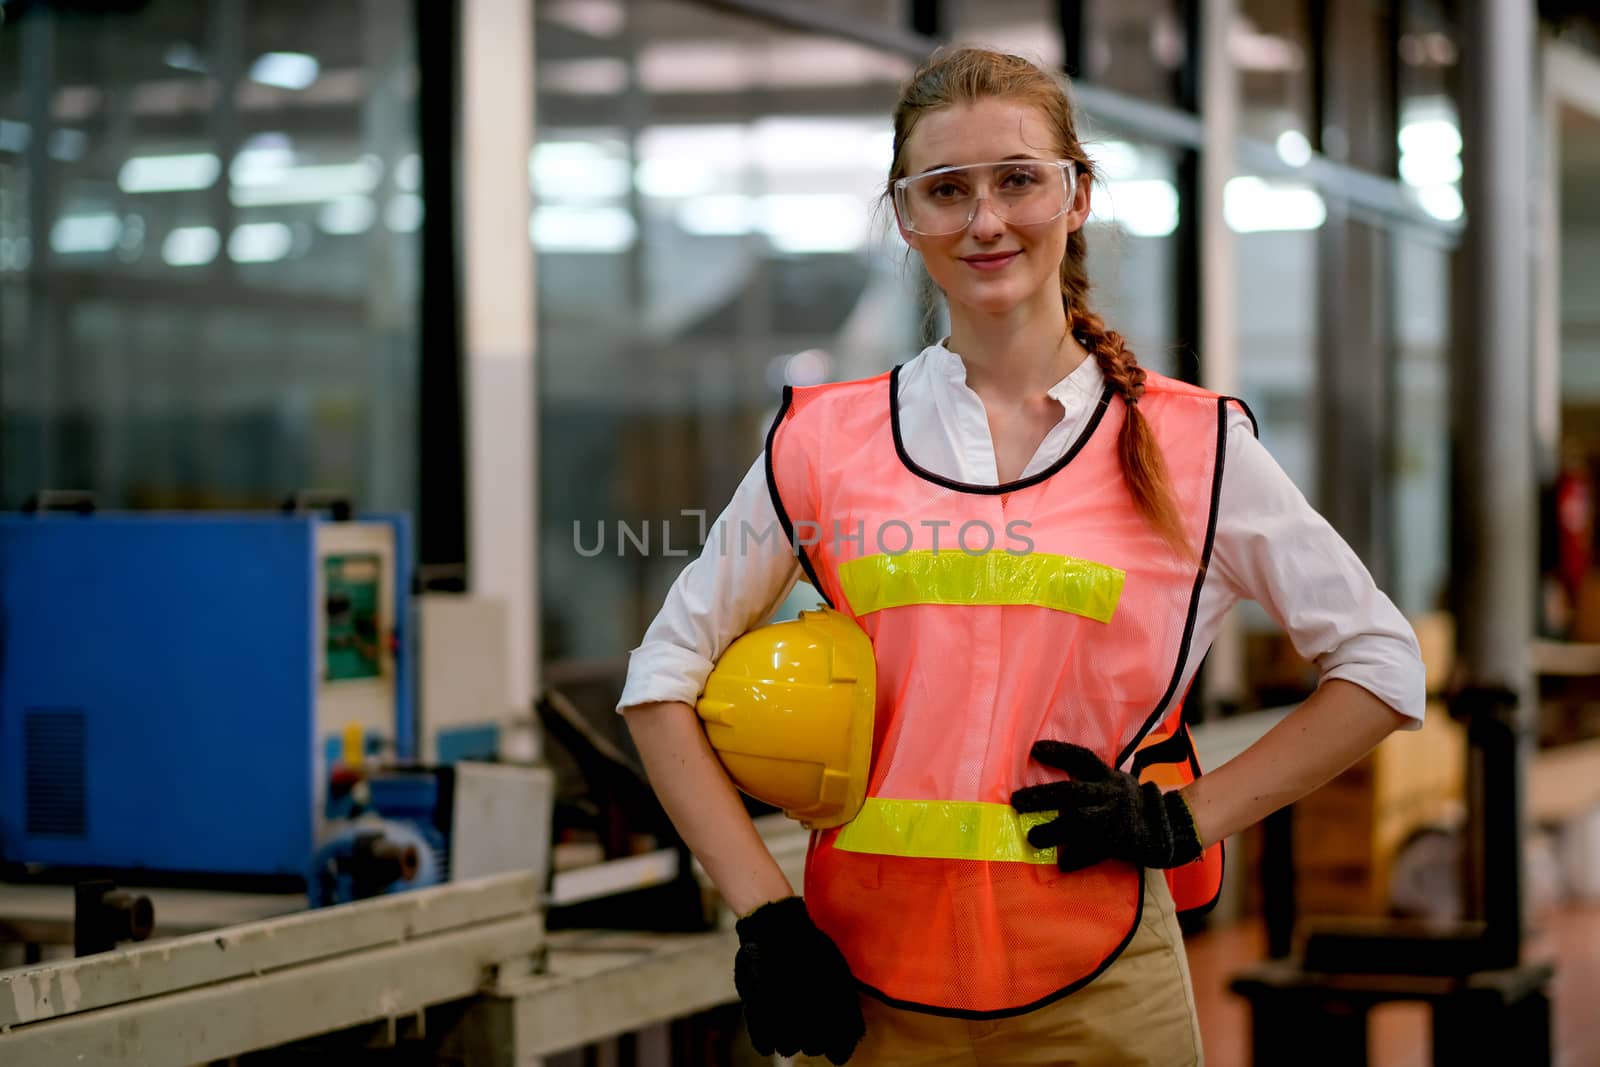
(1167, 758)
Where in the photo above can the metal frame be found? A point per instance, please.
(1495, 546)
(441, 447)
(1382, 200)
(597, 985)
(222, 993)
(1571, 79)
(480, 944)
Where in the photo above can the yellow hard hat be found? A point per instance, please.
(788, 710)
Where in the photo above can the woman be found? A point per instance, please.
(1012, 682)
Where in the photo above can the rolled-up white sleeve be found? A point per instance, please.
(744, 571)
(1274, 548)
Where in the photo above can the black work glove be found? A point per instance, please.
(797, 989)
(1106, 814)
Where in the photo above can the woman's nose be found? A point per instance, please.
(985, 222)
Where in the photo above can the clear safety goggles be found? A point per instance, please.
(1023, 192)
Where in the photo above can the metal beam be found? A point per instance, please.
(230, 1018)
(34, 994)
(439, 402)
(1071, 19)
(598, 985)
(1382, 200)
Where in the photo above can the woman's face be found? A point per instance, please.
(992, 266)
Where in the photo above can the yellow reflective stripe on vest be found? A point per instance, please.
(945, 830)
(1063, 583)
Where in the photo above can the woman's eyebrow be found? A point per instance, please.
(1007, 159)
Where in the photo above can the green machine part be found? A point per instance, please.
(353, 648)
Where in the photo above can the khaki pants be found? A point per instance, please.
(1139, 1013)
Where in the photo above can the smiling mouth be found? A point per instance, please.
(990, 260)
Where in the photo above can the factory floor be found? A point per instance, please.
(1569, 935)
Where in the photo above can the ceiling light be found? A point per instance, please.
(97, 232)
(1143, 207)
(1252, 205)
(260, 242)
(1293, 148)
(1443, 202)
(167, 174)
(568, 228)
(285, 70)
(190, 246)
(348, 215)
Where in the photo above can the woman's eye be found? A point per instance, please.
(1019, 179)
(945, 191)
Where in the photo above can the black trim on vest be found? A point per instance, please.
(987, 490)
(1202, 910)
(1255, 427)
(777, 499)
(1006, 1013)
(1194, 597)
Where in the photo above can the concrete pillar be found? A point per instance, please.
(1495, 549)
(497, 294)
(1223, 679)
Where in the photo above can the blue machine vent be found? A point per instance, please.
(55, 743)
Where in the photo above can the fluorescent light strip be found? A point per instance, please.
(303, 185)
(260, 242)
(1252, 205)
(1146, 207)
(285, 70)
(404, 213)
(97, 232)
(560, 228)
(347, 215)
(169, 174)
(190, 246)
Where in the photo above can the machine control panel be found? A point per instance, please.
(353, 595)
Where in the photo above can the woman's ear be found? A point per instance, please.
(905, 235)
(1078, 213)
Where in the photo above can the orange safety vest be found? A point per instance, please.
(999, 615)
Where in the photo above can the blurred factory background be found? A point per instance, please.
(371, 367)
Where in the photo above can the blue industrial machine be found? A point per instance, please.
(177, 690)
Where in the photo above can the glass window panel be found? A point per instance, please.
(1029, 28)
(1277, 226)
(1429, 47)
(1570, 557)
(1272, 54)
(1421, 507)
(217, 304)
(1136, 47)
(707, 236)
(1429, 120)
(1133, 248)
